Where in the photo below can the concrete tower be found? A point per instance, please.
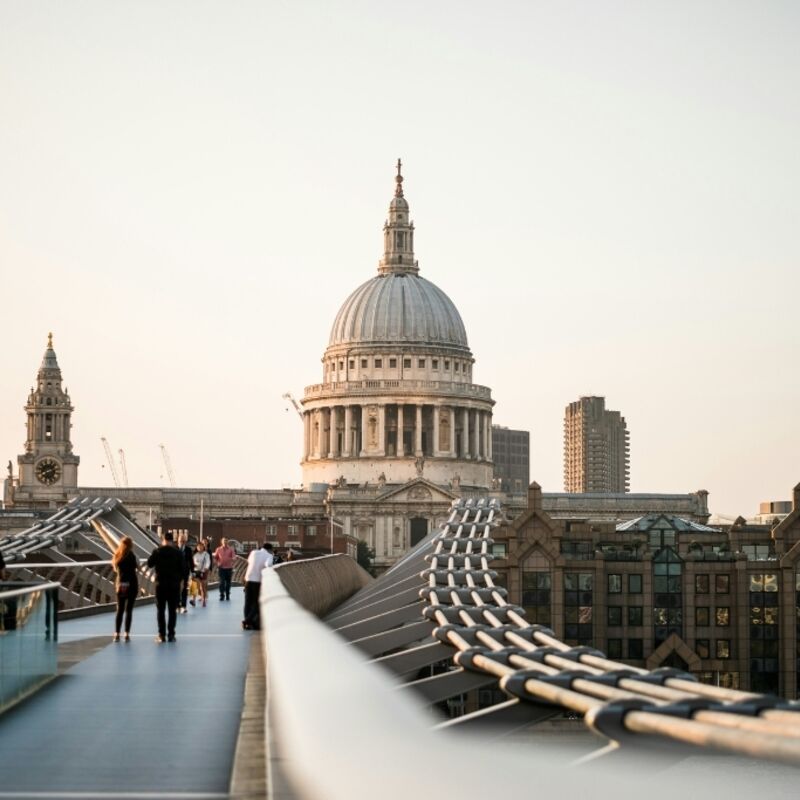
(596, 450)
(48, 469)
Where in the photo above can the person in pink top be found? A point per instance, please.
(224, 556)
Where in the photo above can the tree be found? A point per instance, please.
(365, 555)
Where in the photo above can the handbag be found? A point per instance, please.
(122, 588)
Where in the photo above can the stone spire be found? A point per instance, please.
(398, 234)
(49, 361)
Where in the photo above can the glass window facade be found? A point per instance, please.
(764, 632)
(536, 590)
(578, 607)
(667, 595)
(634, 583)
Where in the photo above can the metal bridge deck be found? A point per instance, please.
(138, 719)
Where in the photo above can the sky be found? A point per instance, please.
(607, 191)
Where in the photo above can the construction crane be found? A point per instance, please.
(110, 458)
(288, 396)
(168, 465)
(124, 467)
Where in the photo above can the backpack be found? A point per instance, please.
(276, 559)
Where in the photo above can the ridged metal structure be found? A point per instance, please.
(441, 628)
(95, 525)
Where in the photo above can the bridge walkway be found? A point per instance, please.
(138, 719)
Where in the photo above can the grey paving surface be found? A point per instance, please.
(136, 719)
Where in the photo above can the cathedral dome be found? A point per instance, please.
(399, 308)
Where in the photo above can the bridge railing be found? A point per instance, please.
(436, 629)
(28, 639)
(339, 730)
(81, 584)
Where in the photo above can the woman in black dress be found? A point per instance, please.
(127, 584)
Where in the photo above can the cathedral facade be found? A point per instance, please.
(397, 428)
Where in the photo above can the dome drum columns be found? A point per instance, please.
(397, 430)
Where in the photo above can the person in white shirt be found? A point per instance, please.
(202, 565)
(257, 562)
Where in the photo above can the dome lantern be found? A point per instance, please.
(398, 234)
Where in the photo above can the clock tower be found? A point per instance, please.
(48, 469)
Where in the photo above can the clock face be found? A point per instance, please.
(48, 471)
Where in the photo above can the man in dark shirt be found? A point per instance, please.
(168, 563)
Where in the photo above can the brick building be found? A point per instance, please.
(660, 590)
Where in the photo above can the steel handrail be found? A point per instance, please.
(39, 587)
(325, 705)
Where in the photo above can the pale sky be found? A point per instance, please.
(606, 190)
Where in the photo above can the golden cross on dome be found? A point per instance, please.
(50, 340)
(398, 192)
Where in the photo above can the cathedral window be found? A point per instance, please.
(456, 366)
(406, 363)
(352, 363)
(378, 363)
(446, 364)
(363, 363)
(435, 363)
(392, 363)
(421, 363)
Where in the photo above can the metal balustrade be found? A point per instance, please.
(96, 525)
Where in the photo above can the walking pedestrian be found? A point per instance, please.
(257, 562)
(188, 563)
(168, 564)
(225, 556)
(202, 565)
(127, 585)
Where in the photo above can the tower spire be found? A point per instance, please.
(49, 360)
(398, 233)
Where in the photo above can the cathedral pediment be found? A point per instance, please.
(416, 491)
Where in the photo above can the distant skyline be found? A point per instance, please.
(607, 192)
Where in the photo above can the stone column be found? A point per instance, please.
(348, 434)
(333, 432)
(418, 432)
(475, 446)
(486, 435)
(400, 447)
(364, 418)
(435, 430)
(452, 431)
(319, 424)
(465, 432)
(489, 424)
(382, 430)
